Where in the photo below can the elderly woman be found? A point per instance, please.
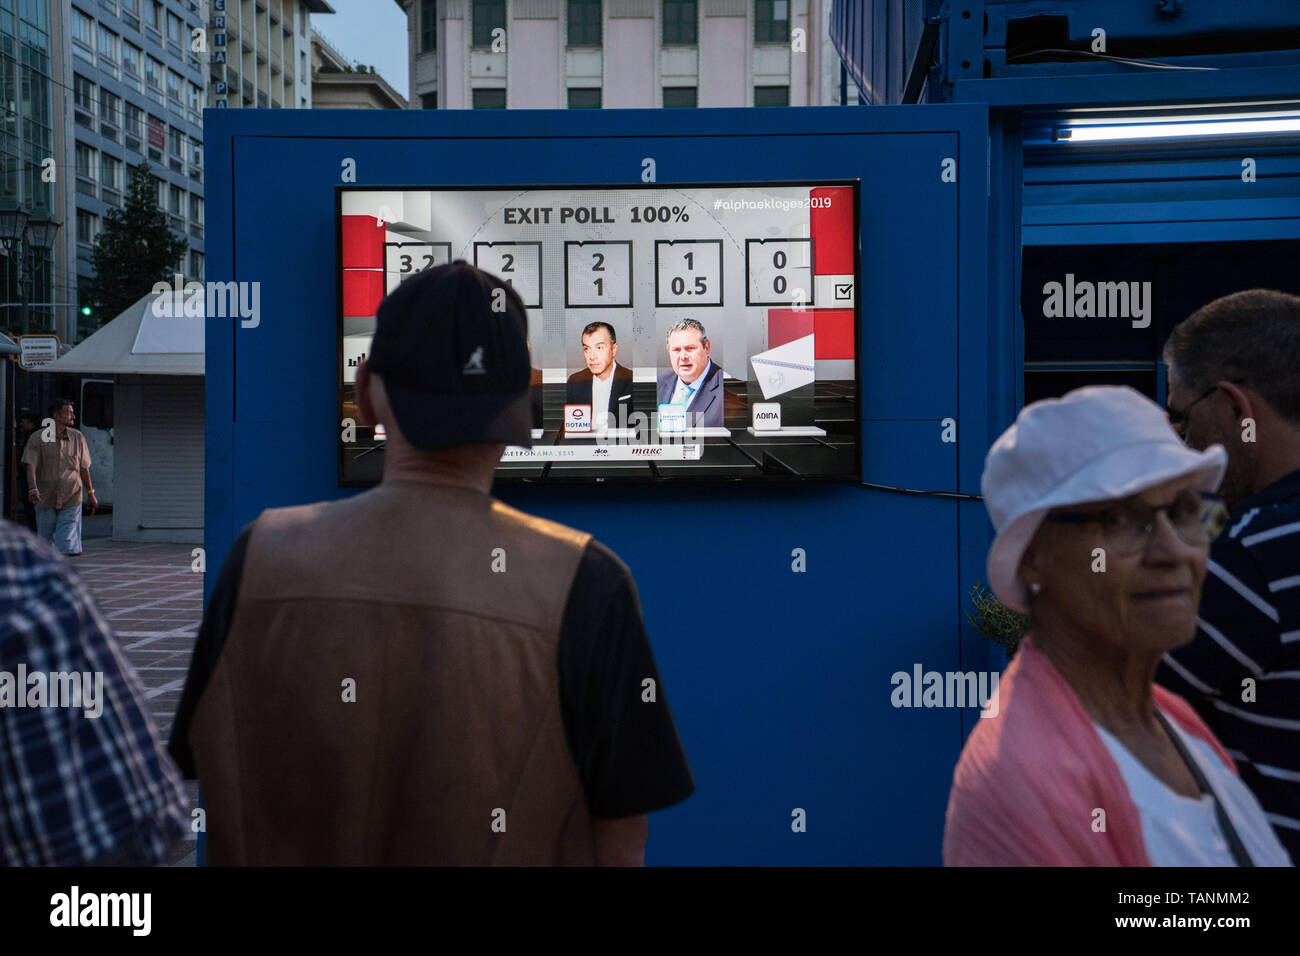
(1103, 522)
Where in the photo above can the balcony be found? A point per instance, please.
(232, 31)
(275, 63)
(261, 54)
(248, 90)
(261, 100)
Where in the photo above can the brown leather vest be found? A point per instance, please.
(453, 749)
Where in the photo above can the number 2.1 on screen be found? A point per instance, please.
(518, 264)
(688, 272)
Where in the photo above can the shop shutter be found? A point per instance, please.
(172, 453)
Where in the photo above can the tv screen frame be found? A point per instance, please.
(505, 476)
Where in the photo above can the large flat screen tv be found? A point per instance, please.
(676, 331)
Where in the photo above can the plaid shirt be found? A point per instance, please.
(74, 789)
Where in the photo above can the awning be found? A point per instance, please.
(141, 342)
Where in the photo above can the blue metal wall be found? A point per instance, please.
(780, 684)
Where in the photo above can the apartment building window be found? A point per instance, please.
(488, 15)
(131, 12)
(679, 97)
(196, 101)
(196, 209)
(83, 94)
(428, 26)
(87, 169)
(174, 81)
(83, 36)
(772, 21)
(584, 22)
(196, 154)
(196, 265)
(174, 31)
(584, 98)
(154, 16)
(680, 23)
(107, 49)
(132, 125)
(429, 101)
(87, 227)
(110, 107)
(111, 179)
(131, 59)
(489, 99)
(153, 73)
(771, 96)
(176, 201)
(158, 191)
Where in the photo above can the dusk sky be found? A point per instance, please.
(369, 31)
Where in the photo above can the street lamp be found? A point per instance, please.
(23, 238)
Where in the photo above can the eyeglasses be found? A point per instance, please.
(1178, 419)
(1198, 518)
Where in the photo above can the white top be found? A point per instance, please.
(1184, 831)
(600, 398)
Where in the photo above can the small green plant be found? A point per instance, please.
(997, 622)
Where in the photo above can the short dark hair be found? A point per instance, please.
(593, 326)
(1252, 337)
(58, 403)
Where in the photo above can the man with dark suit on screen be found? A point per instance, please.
(694, 381)
(604, 384)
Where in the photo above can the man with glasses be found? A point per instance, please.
(1234, 380)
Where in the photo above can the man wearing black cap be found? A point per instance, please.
(420, 674)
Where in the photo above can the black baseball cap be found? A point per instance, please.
(451, 344)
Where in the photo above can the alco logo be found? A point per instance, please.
(767, 416)
(577, 419)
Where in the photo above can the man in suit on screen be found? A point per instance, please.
(604, 384)
(694, 380)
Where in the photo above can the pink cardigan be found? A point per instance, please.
(1029, 780)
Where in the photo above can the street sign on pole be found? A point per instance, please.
(37, 350)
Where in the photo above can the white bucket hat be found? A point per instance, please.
(1093, 444)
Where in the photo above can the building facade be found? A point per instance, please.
(540, 54)
(134, 84)
(261, 53)
(336, 83)
(30, 136)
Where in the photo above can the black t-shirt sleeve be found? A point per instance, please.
(625, 745)
(207, 649)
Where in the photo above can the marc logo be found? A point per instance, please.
(475, 364)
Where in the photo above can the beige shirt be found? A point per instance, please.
(58, 466)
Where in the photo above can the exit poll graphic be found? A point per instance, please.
(767, 274)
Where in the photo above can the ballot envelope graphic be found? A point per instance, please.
(785, 367)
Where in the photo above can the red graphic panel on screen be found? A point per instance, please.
(363, 242)
(362, 291)
(832, 231)
(832, 328)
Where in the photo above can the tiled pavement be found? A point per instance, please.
(153, 600)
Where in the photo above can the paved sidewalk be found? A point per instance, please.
(154, 602)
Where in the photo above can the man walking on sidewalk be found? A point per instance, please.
(58, 470)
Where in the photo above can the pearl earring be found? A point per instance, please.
(1035, 587)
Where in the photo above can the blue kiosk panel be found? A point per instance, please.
(779, 679)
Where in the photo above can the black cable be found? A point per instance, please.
(958, 495)
(1089, 54)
